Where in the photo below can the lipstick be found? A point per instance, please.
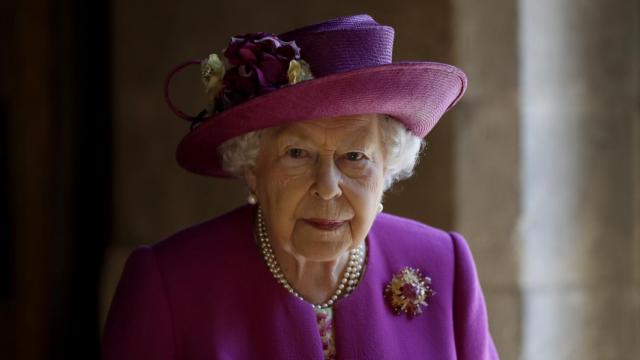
(325, 224)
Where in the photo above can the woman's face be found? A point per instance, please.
(319, 183)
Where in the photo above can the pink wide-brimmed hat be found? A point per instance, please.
(334, 68)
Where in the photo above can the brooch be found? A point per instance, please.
(408, 290)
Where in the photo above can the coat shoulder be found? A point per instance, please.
(396, 234)
(408, 229)
(219, 236)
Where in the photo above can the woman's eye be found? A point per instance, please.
(354, 156)
(296, 153)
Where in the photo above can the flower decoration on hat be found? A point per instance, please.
(252, 64)
(408, 291)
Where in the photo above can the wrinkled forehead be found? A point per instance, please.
(361, 129)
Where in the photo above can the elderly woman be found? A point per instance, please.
(319, 123)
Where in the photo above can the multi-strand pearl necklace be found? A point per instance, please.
(345, 286)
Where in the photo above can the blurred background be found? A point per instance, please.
(538, 166)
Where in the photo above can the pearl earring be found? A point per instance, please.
(380, 207)
(252, 199)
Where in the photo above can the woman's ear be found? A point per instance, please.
(250, 178)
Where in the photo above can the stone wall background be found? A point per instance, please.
(484, 159)
(538, 166)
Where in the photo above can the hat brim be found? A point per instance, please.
(415, 93)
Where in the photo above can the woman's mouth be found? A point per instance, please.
(325, 224)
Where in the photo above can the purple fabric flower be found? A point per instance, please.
(258, 64)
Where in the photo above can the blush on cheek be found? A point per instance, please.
(280, 183)
(373, 187)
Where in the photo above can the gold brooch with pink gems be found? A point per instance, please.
(408, 291)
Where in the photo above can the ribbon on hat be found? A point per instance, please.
(167, 96)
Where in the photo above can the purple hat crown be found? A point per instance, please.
(344, 44)
(254, 64)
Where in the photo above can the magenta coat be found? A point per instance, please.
(206, 293)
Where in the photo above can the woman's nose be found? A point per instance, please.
(327, 179)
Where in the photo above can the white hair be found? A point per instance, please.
(401, 151)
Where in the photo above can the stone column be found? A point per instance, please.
(579, 103)
(487, 186)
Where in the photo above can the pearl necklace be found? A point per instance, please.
(345, 286)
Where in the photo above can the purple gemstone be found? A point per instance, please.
(409, 291)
